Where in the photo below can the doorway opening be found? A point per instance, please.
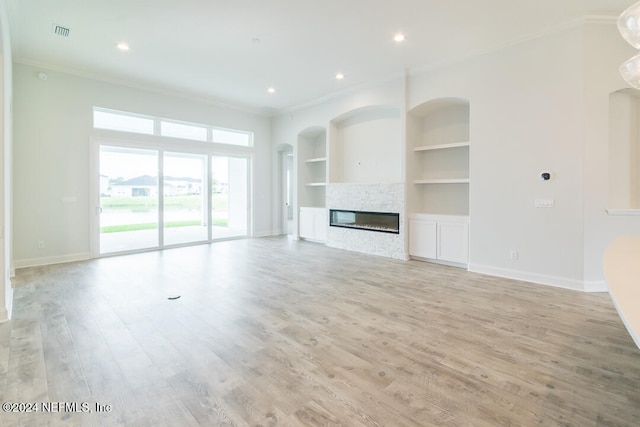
(286, 178)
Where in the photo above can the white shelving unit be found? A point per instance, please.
(312, 182)
(442, 181)
(438, 170)
(441, 146)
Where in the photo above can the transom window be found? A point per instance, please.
(149, 125)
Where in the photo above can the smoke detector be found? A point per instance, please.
(61, 31)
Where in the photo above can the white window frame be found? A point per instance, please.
(157, 128)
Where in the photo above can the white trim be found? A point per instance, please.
(442, 181)
(596, 286)
(442, 146)
(181, 94)
(437, 261)
(266, 234)
(615, 212)
(5, 313)
(554, 29)
(542, 279)
(59, 259)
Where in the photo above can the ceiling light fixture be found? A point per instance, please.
(399, 38)
(271, 89)
(339, 76)
(123, 46)
(629, 27)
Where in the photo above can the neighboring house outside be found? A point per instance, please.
(140, 186)
(147, 186)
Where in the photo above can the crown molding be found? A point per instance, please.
(141, 86)
(343, 93)
(588, 19)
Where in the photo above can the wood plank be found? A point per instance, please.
(275, 332)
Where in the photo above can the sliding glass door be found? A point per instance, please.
(128, 199)
(229, 196)
(155, 198)
(185, 216)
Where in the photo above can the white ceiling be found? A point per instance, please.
(230, 51)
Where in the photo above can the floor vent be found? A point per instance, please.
(61, 31)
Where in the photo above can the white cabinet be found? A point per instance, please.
(422, 238)
(313, 224)
(439, 237)
(453, 241)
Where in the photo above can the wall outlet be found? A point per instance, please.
(514, 255)
(40, 244)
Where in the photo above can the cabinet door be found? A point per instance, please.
(422, 238)
(306, 225)
(320, 225)
(453, 242)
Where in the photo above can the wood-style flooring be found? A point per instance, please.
(272, 332)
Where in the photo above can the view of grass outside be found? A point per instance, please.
(139, 206)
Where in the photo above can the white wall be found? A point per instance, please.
(541, 105)
(525, 117)
(6, 233)
(368, 147)
(53, 126)
(624, 150)
(604, 51)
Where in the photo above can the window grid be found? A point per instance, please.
(171, 128)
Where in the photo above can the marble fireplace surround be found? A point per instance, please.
(369, 198)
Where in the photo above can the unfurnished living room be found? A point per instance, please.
(320, 213)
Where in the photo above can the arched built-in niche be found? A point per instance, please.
(366, 146)
(312, 166)
(438, 157)
(624, 150)
(312, 183)
(438, 180)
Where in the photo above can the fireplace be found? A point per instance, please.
(373, 221)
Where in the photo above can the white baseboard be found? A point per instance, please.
(265, 234)
(5, 314)
(542, 279)
(37, 262)
(596, 286)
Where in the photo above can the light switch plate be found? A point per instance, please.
(544, 203)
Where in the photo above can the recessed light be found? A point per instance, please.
(271, 89)
(123, 46)
(339, 76)
(399, 37)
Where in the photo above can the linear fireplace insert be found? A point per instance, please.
(383, 222)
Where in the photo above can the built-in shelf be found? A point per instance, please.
(442, 181)
(312, 167)
(316, 160)
(438, 151)
(623, 211)
(442, 146)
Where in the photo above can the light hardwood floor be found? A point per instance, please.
(271, 332)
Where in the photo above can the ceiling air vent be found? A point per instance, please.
(61, 31)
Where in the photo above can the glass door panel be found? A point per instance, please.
(128, 199)
(185, 204)
(229, 197)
